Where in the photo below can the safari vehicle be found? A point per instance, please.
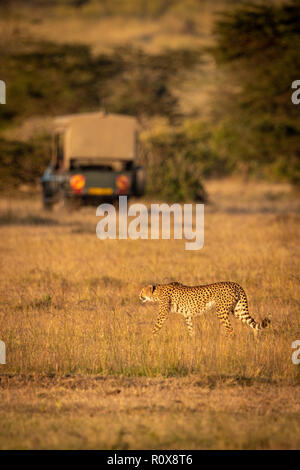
(94, 160)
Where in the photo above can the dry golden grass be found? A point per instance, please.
(69, 305)
(147, 413)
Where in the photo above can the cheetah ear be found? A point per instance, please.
(153, 288)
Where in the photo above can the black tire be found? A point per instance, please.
(139, 182)
(116, 202)
(48, 205)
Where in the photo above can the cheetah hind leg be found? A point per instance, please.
(224, 318)
(190, 326)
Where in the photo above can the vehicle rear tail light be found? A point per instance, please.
(123, 184)
(77, 183)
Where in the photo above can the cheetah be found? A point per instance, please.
(190, 301)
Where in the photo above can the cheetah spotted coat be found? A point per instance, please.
(224, 297)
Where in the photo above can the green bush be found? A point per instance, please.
(22, 162)
(177, 159)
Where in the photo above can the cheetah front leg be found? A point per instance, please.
(162, 316)
(190, 326)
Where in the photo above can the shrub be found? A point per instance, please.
(176, 162)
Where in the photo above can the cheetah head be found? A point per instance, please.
(147, 294)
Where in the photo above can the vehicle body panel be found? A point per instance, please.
(94, 156)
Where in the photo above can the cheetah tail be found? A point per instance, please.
(256, 325)
(265, 322)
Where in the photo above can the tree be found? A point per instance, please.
(259, 44)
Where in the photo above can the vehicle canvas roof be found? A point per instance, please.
(98, 136)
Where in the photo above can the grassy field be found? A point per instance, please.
(82, 370)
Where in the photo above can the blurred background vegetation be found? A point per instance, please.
(210, 83)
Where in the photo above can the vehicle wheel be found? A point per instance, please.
(47, 205)
(139, 184)
(116, 204)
